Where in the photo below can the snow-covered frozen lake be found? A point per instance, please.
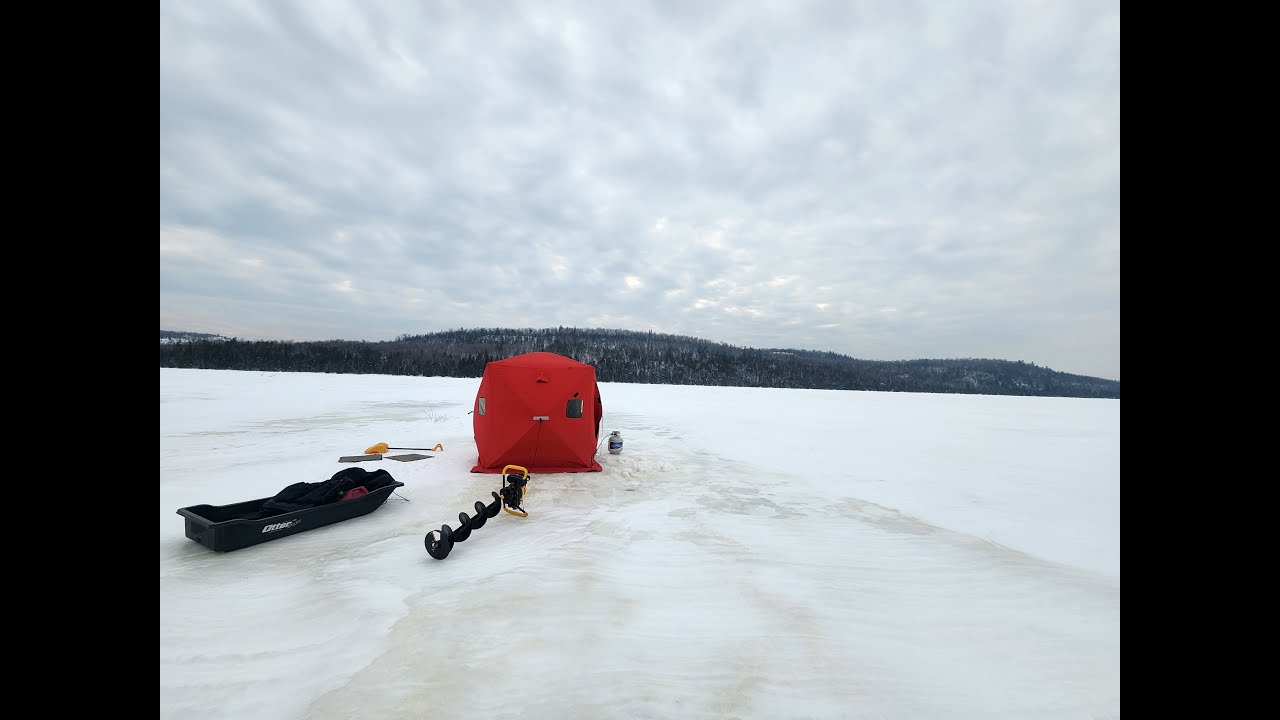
(752, 553)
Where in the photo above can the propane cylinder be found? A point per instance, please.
(615, 442)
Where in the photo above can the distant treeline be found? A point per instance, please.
(628, 356)
(170, 336)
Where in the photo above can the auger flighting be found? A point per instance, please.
(440, 542)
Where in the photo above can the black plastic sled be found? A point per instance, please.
(230, 527)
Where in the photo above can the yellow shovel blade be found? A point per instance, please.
(381, 449)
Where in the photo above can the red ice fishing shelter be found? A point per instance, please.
(540, 411)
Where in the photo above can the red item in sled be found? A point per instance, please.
(354, 493)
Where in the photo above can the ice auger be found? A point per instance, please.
(508, 499)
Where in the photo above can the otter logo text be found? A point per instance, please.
(280, 526)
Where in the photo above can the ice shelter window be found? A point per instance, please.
(481, 405)
(574, 410)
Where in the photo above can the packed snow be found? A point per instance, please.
(751, 553)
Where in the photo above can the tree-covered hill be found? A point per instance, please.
(629, 356)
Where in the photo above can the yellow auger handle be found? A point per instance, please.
(524, 471)
(438, 448)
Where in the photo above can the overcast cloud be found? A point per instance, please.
(888, 180)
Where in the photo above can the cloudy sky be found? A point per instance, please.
(886, 180)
